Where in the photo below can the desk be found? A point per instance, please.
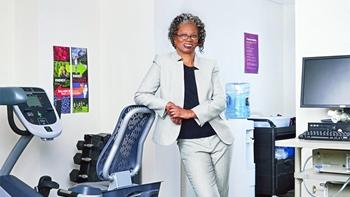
(310, 174)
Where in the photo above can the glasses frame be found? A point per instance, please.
(186, 36)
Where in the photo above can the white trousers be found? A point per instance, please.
(207, 165)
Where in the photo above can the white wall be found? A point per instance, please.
(289, 58)
(122, 38)
(320, 30)
(127, 49)
(119, 39)
(34, 27)
(6, 38)
(272, 90)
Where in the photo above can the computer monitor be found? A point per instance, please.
(326, 82)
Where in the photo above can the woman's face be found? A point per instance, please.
(186, 38)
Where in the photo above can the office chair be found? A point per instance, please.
(121, 158)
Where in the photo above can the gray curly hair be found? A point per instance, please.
(186, 18)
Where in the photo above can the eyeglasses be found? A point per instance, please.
(185, 36)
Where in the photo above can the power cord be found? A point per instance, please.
(342, 188)
(307, 190)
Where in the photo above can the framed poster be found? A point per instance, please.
(71, 92)
(251, 53)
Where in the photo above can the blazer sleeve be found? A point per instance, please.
(211, 108)
(145, 95)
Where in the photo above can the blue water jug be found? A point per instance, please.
(237, 100)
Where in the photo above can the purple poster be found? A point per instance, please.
(251, 53)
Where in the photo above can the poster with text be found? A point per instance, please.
(62, 83)
(251, 53)
(80, 80)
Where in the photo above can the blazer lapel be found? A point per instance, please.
(200, 76)
(179, 86)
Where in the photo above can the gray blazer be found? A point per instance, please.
(166, 76)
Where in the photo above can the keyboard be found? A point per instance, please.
(325, 135)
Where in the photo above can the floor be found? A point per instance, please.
(289, 194)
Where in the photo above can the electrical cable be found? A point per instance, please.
(307, 190)
(342, 188)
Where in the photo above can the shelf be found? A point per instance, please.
(321, 176)
(298, 143)
(310, 174)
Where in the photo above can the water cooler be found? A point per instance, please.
(242, 174)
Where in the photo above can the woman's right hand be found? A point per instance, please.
(168, 106)
(178, 112)
(177, 121)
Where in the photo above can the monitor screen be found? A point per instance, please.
(326, 82)
(33, 101)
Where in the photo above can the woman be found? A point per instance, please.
(189, 104)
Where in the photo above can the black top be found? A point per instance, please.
(189, 128)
